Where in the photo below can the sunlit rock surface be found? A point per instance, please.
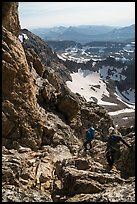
(42, 130)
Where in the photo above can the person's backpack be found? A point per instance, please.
(113, 141)
(90, 134)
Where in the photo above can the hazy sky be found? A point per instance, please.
(49, 14)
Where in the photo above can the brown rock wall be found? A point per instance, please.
(10, 19)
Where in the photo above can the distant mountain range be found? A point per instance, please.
(85, 34)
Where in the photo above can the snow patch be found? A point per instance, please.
(130, 95)
(125, 110)
(22, 37)
(89, 85)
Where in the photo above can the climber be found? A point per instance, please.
(90, 134)
(113, 146)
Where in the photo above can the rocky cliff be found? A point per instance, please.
(42, 129)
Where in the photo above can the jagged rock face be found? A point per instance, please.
(69, 105)
(20, 113)
(91, 114)
(118, 193)
(23, 122)
(34, 60)
(42, 130)
(47, 56)
(55, 174)
(86, 178)
(126, 163)
(10, 18)
(21, 171)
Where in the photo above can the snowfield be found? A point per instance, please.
(89, 84)
(92, 87)
(126, 110)
(96, 86)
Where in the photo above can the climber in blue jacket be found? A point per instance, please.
(90, 134)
